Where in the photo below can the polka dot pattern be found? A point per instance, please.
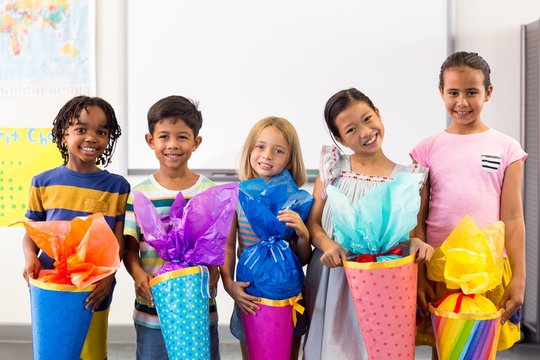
(183, 314)
(385, 301)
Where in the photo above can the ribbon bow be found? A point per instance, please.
(459, 299)
(294, 302)
(276, 247)
(363, 258)
(296, 307)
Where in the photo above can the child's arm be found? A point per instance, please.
(32, 265)
(103, 287)
(333, 253)
(417, 243)
(133, 265)
(301, 245)
(511, 214)
(425, 293)
(236, 289)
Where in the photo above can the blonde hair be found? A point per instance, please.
(296, 163)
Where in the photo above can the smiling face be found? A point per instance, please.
(86, 138)
(270, 154)
(173, 142)
(360, 128)
(464, 95)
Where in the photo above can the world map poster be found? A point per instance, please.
(47, 47)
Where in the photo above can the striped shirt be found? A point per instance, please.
(63, 194)
(162, 199)
(246, 236)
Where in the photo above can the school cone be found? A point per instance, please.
(471, 332)
(59, 320)
(181, 299)
(269, 333)
(384, 295)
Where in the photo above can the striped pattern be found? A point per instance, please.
(491, 163)
(62, 194)
(246, 236)
(162, 199)
(466, 338)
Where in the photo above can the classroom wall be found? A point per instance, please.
(489, 27)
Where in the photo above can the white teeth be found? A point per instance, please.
(265, 166)
(370, 141)
(172, 155)
(88, 149)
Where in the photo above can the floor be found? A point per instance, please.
(15, 344)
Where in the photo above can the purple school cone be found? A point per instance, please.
(59, 320)
(269, 334)
(181, 299)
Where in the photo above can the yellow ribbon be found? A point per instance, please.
(296, 307)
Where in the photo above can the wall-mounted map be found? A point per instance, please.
(47, 47)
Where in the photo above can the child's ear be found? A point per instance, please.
(149, 140)
(489, 91)
(197, 142)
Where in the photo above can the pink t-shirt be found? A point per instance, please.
(466, 177)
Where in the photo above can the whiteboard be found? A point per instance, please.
(243, 60)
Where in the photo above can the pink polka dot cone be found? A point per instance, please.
(384, 295)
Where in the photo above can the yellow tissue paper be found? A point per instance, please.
(474, 257)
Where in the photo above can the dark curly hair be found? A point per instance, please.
(69, 114)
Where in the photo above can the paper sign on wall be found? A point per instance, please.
(24, 152)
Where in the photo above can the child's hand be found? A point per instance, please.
(424, 294)
(214, 275)
(334, 255)
(423, 250)
(512, 298)
(142, 285)
(31, 268)
(99, 294)
(246, 302)
(293, 220)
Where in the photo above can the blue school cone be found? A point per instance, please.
(181, 299)
(59, 320)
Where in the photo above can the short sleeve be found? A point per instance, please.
(35, 210)
(420, 153)
(419, 169)
(515, 153)
(130, 222)
(330, 166)
(122, 197)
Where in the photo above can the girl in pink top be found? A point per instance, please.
(476, 171)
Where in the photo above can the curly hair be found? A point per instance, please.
(69, 115)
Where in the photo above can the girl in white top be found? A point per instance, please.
(353, 121)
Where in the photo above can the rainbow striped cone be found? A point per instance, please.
(469, 336)
(59, 320)
(181, 299)
(384, 295)
(269, 333)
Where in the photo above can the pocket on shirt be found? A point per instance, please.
(491, 162)
(95, 206)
